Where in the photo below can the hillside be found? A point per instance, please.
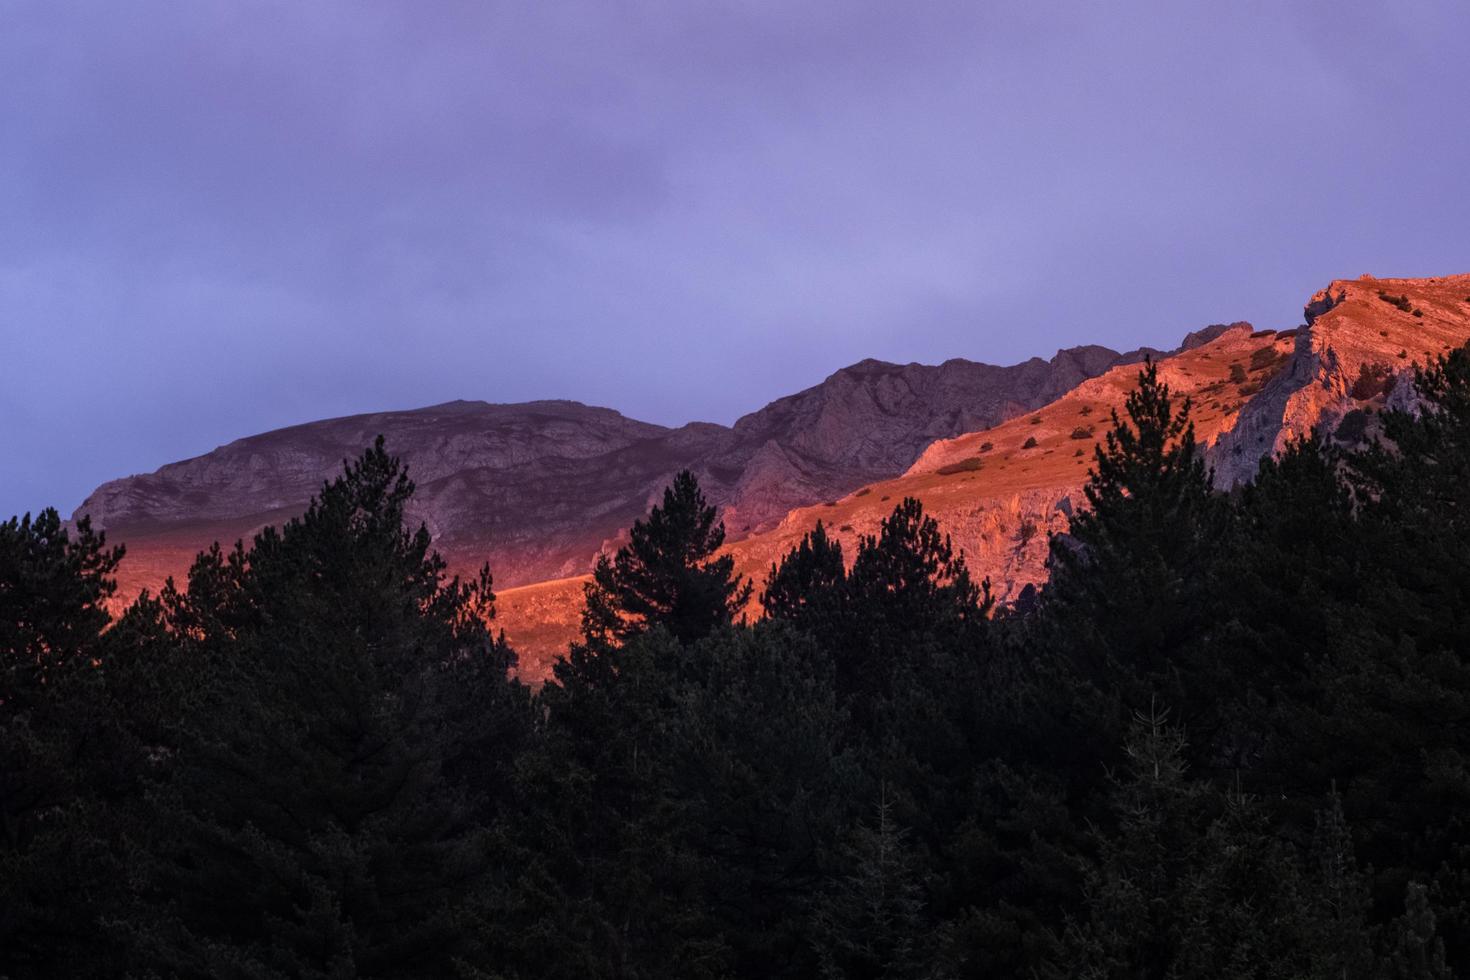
(1000, 496)
(540, 489)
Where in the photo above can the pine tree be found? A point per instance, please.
(612, 883)
(666, 583)
(55, 747)
(908, 594)
(667, 574)
(1286, 583)
(1131, 588)
(311, 826)
(1415, 952)
(54, 588)
(912, 576)
(760, 748)
(870, 922)
(1138, 551)
(1334, 901)
(808, 587)
(1403, 671)
(1414, 487)
(1131, 893)
(1193, 881)
(614, 878)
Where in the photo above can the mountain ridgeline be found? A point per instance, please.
(541, 488)
(997, 454)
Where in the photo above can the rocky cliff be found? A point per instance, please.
(1361, 339)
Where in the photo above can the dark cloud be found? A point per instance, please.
(218, 217)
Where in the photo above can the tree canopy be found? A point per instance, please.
(1228, 740)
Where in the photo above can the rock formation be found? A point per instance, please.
(997, 454)
(1360, 338)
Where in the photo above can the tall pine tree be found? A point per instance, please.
(56, 746)
(1130, 587)
(667, 574)
(311, 826)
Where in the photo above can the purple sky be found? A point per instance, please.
(218, 218)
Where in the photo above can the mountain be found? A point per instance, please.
(998, 490)
(479, 470)
(1001, 491)
(540, 489)
(872, 419)
(1000, 496)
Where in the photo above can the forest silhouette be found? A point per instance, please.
(1229, 738)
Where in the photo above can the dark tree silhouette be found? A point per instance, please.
(808, 587)
(1130, 582)
(667, 574)
(312, 826)
(54, 736)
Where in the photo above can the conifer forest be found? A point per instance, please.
(1230, 738)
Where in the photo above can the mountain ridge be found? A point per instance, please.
(539, 489)
(999, 495)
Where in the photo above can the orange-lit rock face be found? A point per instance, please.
(1001, 492)
(1382, 324)
(539, 490)
(1250, 394)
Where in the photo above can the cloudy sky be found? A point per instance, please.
(218, 218)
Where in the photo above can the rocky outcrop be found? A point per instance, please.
(1358, 331)
(1000, 491)
(1198, 338)
(871, 420)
